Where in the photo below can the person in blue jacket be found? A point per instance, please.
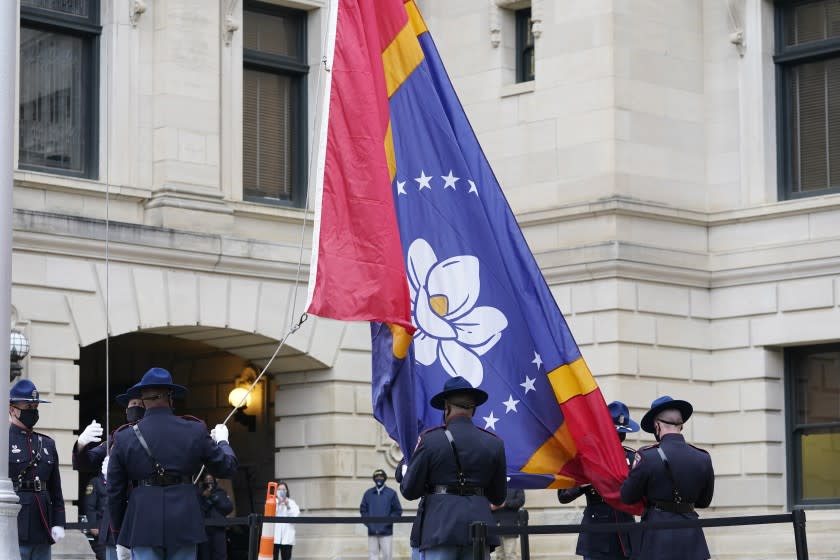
(161, 519)
(459, 469)
(216, 505)
(380, 501)
(674, 478)
(604, 546)
(33, 469)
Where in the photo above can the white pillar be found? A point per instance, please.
(8, 81)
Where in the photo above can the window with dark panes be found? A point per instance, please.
(524, 46)
(808, 58)
(813, 397)
(274, 102)
(57, 105)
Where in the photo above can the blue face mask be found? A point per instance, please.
(380, 482)
(281, 493)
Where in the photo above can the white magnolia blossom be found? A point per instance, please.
(450, 328)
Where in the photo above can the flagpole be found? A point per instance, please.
(8, 81)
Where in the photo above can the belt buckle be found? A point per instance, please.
(36, 485)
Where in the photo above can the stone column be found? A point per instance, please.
(8, 81)
(185, 115)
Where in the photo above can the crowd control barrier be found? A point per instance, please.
(480, 531)
(267, 534)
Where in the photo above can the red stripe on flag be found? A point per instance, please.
(360, 268)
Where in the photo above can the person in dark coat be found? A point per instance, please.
(604, 546)
(89, 455)
(95, 511)
(673, 478)
(216, 505)
(380, 501)
(507, 514)
(161, 519)
(33, 470)
(459, 477)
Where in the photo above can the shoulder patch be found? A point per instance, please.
(637, 458)
(88, 489)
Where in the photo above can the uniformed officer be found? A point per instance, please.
(604, 546)
(460, 469)
(33, 469)
(90, 457)
(674, 478)
(162, 518)
(96, 512)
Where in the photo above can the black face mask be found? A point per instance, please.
(134, 413)
(28, 417)
(380, 482)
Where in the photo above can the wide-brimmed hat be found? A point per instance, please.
(124, 398)
(25, 391)
(156, 377)
(665, 403)
(454, 386)
(621, 417)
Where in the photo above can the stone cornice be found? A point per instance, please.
(84, 237)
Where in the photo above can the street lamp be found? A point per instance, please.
(18, 349)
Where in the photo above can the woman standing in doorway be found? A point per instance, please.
(284, 533)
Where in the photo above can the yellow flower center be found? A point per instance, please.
(440, 304)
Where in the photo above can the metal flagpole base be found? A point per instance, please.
(9, 508)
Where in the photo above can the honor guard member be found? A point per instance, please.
(161, 518)
(33, 469)
(460, 470)
(96, 513)
(88, 457)
(673, 478)
(604, 546)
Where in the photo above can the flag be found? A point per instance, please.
(477, 299)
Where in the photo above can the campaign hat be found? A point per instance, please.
(665, 403)
(156, 377)
(457, 385)
(25, 391)
(621, 417)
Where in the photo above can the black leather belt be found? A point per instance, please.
(458, 490)
(162, 480)
(28, 486)
(672, 507)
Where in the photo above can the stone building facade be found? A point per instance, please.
(662, 158)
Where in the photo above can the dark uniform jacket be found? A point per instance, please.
(600, 546)
(382, 503)
(509, 514)
(215, 506)
(694, 476)
(33, 456)
(157, 515)
(96, 510)
(446, 518)
(90, 458)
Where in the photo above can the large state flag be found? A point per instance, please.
(414, 234)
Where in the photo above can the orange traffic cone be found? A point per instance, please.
(267, 535)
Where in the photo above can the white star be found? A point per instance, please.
(450, 180)
(473, 189)
(537, 360)
(423, 181)
(510, 404)
(401, 187)
(529, 384)
(491, 421)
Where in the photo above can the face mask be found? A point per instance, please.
(134, 413)
(379, 483)
(281, 493)
(28, 417)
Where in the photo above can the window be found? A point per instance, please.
(808, 61)
(274, 102)
(813, 399)
(58, 86)
(524, 46)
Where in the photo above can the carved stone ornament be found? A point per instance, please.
(229, 24)
(136, 8)
(496, 7)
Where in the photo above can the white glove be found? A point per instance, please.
(57, 533)
(123, 553)
(105, 466)
(91, 434)
(219, 433)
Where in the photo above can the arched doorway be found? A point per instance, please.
(210, 372)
